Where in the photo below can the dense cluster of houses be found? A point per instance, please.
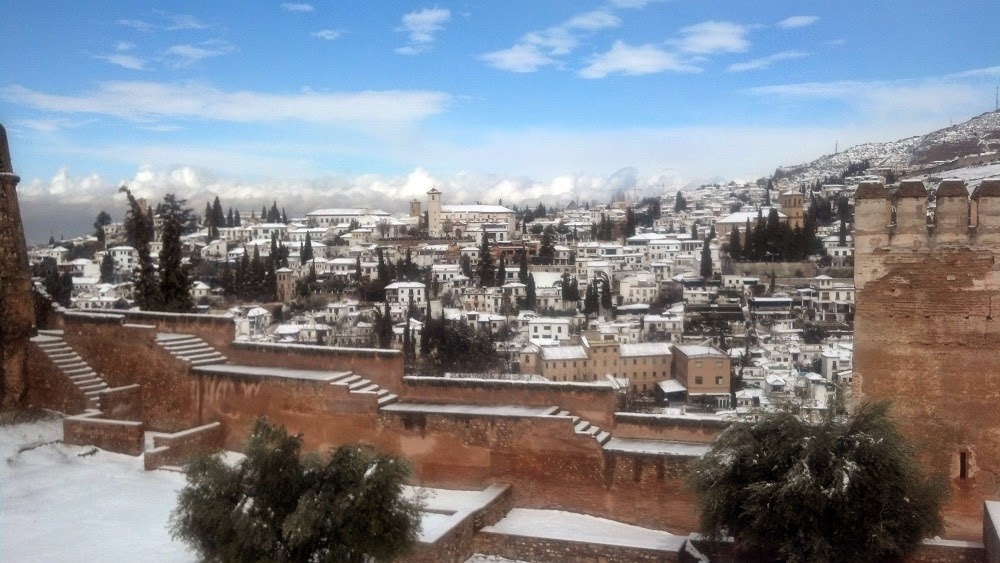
(670, 335)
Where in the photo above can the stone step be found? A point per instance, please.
(581, 426)
(69, 362)
(83, 376)
(347, 380)
(551, 411)
(591, 431)
(202, 355)
(575, 419)
(88, 381)
(177, 348)
(55, 345)
(368, 389)
(78, 370)
(51, 332)
(388, 400)
(93, 394)
(562, 413)
(61, 354)
(603, 437)
(210, 362)
(359, 384)
(94, 387)
(383, 392)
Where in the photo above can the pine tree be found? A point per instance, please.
(680, 204)
(776, 485)
(103, 220)
(279, 504)
(706, 260)
(175, 286)
(735, 248)
(207, 219)
(274, 216)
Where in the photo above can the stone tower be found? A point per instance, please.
(792, 205)
(415, 208)
(285, 283)
(17, 311)
(925, 335)
(434, 213)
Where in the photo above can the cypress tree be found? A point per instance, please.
(735, 248)
(522, 271)
(706, 260)
(606, 297)
(501, 276)
(486, 272)
(175, 286)
(237, 222)
(107, 268)
(307, 250)
(530, 300)
(229, 219)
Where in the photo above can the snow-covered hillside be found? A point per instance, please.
(980, 134)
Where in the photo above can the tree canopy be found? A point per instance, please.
(277, 505)
(839, 490)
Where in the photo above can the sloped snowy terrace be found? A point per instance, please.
(76, 503)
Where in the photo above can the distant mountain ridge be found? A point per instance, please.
(979, 135)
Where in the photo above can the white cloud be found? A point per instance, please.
(169, 22)
(597, 19)
(123, 46)
(523, 57)
(186, 54)
(633, 3)
(184, 21)
(539, 48)
(766, 62)
(634, 61)
(296, 7)
(125, 61)
(326, 34)
(138, 25)
(797, 21)
(421, 26)
(710, 37)
(153, 101)
(928, 99)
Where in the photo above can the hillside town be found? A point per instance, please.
(730, 299)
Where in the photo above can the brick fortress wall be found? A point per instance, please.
(927, 330)
(17, 313)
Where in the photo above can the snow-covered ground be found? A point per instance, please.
(71, 503)
(64, 503)
(570, 526)
(972, 175)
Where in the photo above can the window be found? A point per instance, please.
(697, 380)
(963, 465)
(718, 380)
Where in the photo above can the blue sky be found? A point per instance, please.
(371, 103)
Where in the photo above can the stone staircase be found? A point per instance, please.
(358, 384)
(85, 379)
(584, 427)
(190, 348)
